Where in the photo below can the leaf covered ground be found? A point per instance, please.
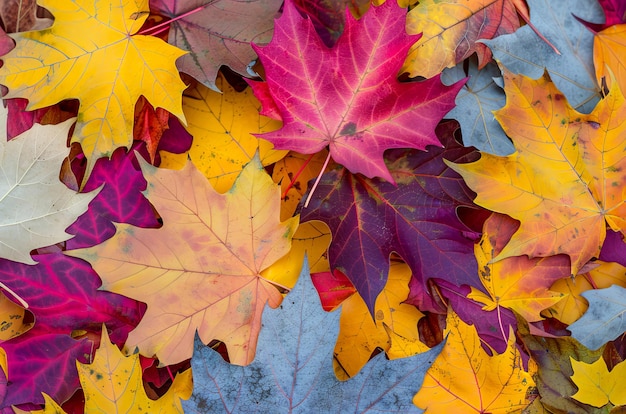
(313, 206)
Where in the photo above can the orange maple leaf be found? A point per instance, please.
(202, 270)
(565, 179)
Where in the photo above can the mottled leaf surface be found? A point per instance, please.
(202, 269)
(565, 181)
(292, 371)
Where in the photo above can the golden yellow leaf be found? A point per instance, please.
(202, 269)
(596, 385)
(113, 383)
(518, 283)
(573, 306)
(609, 47)
(222, 125)
(567, 178)
(360, 335)
(465, 379)
(92, 53)
(11, 319)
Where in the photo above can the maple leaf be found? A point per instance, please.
(596, 385)
(450, 29)
(564, 182)
(417, 219)
(292, 371)
(475, 103)
(524, 52)
(120, 201)
(202, 269)
(60, 306)
(464, 378)
(112, 382)
(518, 283)
(554, 369)
(360, 334)
(217, 33)
(222, 125)
(35, 207)
(348, 97)
(107, 68)
(604, 320)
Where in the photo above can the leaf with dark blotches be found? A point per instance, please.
(348, 97)
(370, 218)
(292, 371)
(62, 293)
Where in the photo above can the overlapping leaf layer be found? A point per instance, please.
(442, 182)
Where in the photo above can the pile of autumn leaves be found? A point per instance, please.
(490, 252)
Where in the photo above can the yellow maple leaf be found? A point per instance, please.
(202, 269)
(360, 335)
(518, 283)
(566, 179)
(596, 385)
(464, 378)
(113, 383)
(222, 125)
(92, 53)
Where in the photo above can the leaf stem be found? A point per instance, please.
(295, 177)
(154, 29)
(317, 181)
(500, 323)
(15, 295)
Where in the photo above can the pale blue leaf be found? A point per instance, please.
(605, 319)
(475, 104)
(293, 369)
(572, 71)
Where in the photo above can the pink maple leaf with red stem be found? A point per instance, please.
(348, 97)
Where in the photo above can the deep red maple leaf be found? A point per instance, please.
(348, 96)
(371, 218)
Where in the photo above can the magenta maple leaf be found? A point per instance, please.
(62, 293)
(371, 218)
(121, 200)
(348, 97)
